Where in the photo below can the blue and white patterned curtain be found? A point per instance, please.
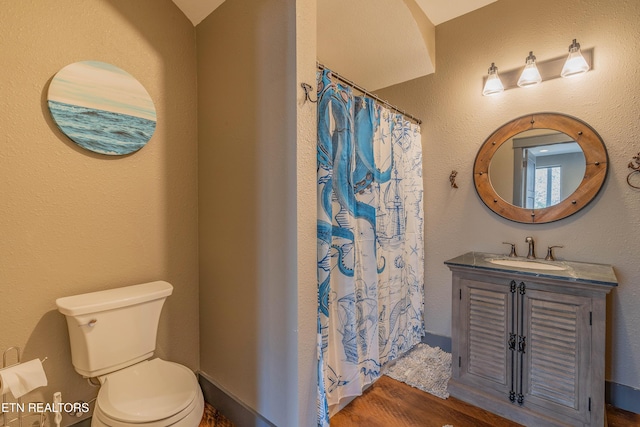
(370, 241)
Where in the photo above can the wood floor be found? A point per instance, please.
(213, 418)
(390, 403)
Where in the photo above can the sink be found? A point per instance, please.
(532, 265)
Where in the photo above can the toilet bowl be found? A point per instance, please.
(113, 336)
(154, 393)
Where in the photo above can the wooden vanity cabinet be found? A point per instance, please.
(529, 348)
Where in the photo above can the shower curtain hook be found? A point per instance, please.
(307, 87)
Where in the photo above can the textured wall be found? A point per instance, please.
(72, 221)
(257, 207)
(458, 119)
(306, 223)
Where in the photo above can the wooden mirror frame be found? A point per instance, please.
(596, 159)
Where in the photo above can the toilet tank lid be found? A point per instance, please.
(94, 302)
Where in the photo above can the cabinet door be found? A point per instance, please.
(557, 354)
(485, 317)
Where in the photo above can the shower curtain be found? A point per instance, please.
(370, 241)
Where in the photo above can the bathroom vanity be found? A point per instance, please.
(528, 338)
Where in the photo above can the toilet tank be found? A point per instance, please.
(113, 329)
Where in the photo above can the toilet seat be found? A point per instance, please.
(150, 393)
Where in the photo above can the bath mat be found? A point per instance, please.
(425, 368)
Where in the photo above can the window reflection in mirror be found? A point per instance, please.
(537, 168)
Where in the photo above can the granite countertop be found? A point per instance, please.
(580, 272)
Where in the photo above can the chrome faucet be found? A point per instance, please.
(532, 248)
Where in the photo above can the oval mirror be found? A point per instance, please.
(540, 168)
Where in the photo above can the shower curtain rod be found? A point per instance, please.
(367, 93)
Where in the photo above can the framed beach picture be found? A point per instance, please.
(102, 108)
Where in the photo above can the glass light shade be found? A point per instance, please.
(530, 75)
(575, 63)
(493, 84)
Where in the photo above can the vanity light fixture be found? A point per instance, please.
(575, 64)
(578, 61)
(530, 75)
(493, 84)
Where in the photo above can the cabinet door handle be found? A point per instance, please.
(512, 341)
(522, 344)
(522, 288)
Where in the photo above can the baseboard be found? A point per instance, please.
(230, 406)
(437, 341)
(622, 396)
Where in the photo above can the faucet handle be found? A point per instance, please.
(512, 254)
(550, 256)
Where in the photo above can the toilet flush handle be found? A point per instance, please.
(91, 323)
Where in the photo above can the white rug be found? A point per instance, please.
(423, 367)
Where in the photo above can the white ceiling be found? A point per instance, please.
(197, 10)
(375, 44)
(440, 11)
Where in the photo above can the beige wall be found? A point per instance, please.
(257, 206)
(72, 221)
(458, 119)
(306, 183)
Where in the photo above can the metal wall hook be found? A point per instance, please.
(308, 88)
(452, 179)
(636, 169)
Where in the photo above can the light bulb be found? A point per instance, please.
(530, 75)
(493, 84)
(575, 63)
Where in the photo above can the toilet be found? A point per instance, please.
(113, 337)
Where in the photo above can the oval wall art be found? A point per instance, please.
(102, 108)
